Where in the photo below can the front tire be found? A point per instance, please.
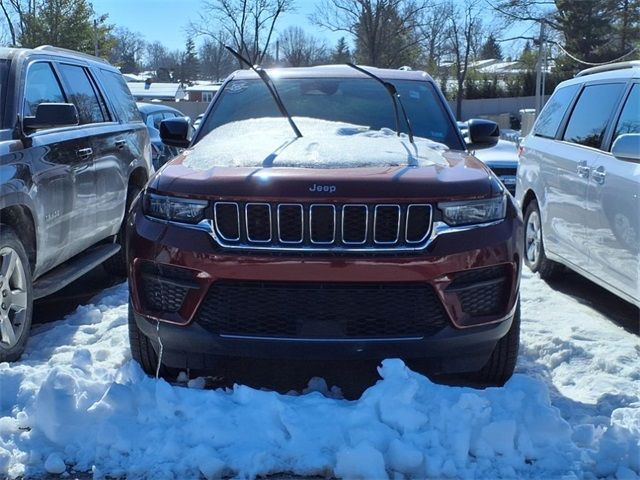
(16, 296)
(142, 350)
(534, 254)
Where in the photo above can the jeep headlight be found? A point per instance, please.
(474, 211)
(173, 208)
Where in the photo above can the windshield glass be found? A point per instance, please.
(358, 101)
(4, 74)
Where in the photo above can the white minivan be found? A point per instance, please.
(578, 181)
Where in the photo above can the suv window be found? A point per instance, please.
(553, 112)
(82, 94)
(42, 86)
(592, 113)
(4, 74)
(122, 100)
(629, 121)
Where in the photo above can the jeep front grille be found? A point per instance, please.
(322, 226)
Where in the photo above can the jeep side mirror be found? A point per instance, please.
(175, 132)
(627, 147)
(483, 133)
(52, 115)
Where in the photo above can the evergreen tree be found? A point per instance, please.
(189, 66)
(491, 49)
(341, 54)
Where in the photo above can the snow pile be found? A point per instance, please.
(270, 142)
(76, 401)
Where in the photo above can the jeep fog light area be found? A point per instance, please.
(326, 213)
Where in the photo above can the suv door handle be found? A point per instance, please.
(599, 175)
(84, 153)
(583, 170)
(120, 144)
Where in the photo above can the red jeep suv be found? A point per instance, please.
(327, 213)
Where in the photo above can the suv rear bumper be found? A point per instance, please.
(463, 344)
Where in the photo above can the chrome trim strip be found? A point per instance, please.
(375, 220)
(441, 228)
(406, 223)
(301, 222)
(323, 340)
(246, 221)
(366, 222)
(311, 207)
(215, 220)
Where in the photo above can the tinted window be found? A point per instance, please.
(630, 118)
(4, 74)
(82, 94)
(42, 87)
(553, 112)
(121, 96)
(359, 101)
(592, 114)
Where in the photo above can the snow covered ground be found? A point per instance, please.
(77, 403)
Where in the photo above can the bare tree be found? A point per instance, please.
(434, 35)
(248, 23)
(464, 32)
(384, 30)
(215, 61)
(15, 13)
(300, 49)
(128, 50)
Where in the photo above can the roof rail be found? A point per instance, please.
(50, 48)
(609, 67)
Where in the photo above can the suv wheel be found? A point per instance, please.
(117, 264)
(16, 297)
(534, 255)
(142, 350)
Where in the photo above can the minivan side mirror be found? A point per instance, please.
(52, 115)
(483, 133)
(627, 147)
(175, 132)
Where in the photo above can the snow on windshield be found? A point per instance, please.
(270, 142)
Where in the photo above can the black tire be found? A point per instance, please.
(142, 350)
(11, 351)
(117, 264)
(502, 362)
(534, 254)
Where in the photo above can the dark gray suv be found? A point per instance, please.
(74, 153)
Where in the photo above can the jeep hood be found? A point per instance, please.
(262, 158)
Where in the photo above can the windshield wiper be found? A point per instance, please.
(270, 86)
(395, 96)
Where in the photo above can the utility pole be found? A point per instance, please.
(539, 67)
(95, 37)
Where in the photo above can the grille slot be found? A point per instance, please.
(321, 310)
(322, 226)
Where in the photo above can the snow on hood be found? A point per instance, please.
(267, 142)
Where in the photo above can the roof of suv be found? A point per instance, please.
(333, 71)
(622, 71)
(10, 53)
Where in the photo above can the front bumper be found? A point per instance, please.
(463, 344)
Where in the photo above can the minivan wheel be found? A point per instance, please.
(16, 296)
(534, 255)
(117, 264)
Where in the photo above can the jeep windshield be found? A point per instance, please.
(357, 101)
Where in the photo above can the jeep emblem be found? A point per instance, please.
(322, 188)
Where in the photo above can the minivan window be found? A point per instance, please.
(358, 101)
(123, 102)
(592, 114)
(629, 121)
(553, 112)
(82, 94)
(41, 87)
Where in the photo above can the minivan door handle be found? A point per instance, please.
(84, 153)
(599, 175)
(120, 144)
(583, 170)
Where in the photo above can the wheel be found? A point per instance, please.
(502, 361)
(16, 296)
(117, 264)
(142, 350)
(535, 257)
